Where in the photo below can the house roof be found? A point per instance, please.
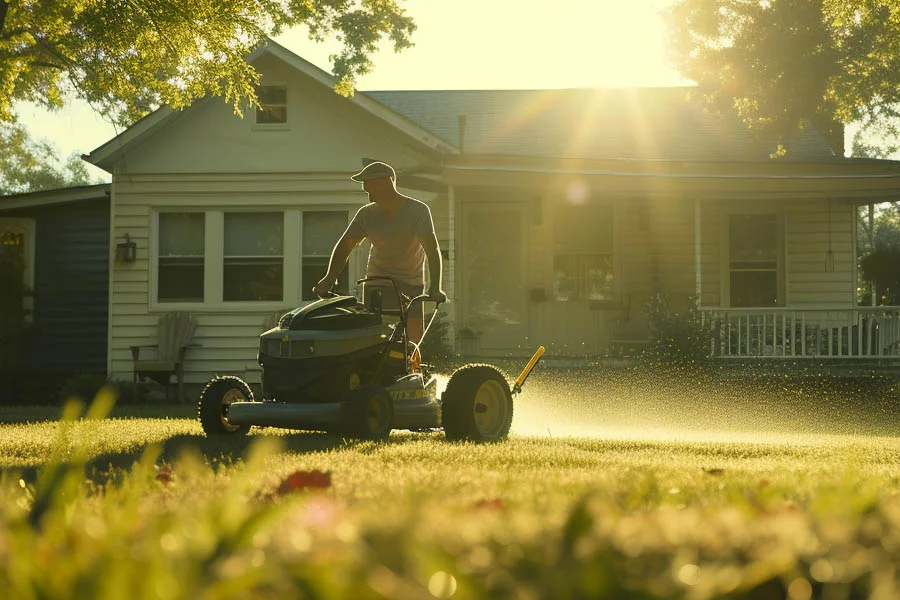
(634, 123)
(55, 196)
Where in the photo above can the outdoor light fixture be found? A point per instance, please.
(126, 252)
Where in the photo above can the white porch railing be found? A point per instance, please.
(791, 333)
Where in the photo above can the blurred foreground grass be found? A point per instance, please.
(147, 507)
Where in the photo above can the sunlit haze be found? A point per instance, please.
(467, 44)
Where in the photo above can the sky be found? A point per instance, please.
(464, 44)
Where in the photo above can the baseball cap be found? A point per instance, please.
(374, 170)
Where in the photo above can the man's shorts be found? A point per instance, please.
(389, 301)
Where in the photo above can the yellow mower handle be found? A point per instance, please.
(520, 380)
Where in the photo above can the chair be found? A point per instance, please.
(175, 332)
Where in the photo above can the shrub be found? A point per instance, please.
(678, 337)
(85, 386)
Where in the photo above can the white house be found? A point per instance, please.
(560, 214)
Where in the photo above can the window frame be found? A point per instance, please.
(611, 254)
(287, 105)
(214, 250)
(780, 259)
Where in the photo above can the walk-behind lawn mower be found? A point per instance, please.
(344, 367)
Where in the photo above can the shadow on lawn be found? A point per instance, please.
(226, 451)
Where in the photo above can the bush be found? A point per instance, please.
(85, 387)
(681, 338)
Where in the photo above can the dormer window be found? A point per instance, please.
(272, 108)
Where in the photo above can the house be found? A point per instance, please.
(62, 238)
(560, 213)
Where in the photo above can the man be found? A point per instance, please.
(401, 231)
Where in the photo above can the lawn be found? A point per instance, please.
(610, 487)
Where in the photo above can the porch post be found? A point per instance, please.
(450, 270)
(698, 289)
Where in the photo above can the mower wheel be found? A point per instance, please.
(212, 408)
(371, 413)
(477, 405)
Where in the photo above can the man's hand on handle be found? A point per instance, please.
(437, 295)
(323, 288)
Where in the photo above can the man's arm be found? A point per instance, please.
(339, 256)
(435, 267)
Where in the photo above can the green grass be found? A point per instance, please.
(671, 506)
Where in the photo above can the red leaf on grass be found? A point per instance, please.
(490, 504)
(299, 481)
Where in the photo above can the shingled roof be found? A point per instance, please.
(642, 123)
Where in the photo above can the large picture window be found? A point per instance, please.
(321, 229)
(753, 260)
(180, 267)
(253, 265)
(583, 252)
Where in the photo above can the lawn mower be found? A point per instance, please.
(346, 367)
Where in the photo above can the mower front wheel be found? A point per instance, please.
(215, 399)
(477, 405)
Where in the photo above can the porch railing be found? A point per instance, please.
(790, 333)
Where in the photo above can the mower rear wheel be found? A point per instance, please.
(215, 399)
(371, 413)
(477, 405)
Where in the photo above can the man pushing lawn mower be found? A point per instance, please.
(338, 365)
(401, 232)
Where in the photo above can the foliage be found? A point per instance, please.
(881, 266)
(127, 57)
(677, 337)
(778, 62)
(116, 507)
(28, 166)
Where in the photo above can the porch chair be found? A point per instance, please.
(175, 332)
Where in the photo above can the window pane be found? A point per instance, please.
(754, 288)
(254, 234)
(181, 234)
(583, 276)
(753, 239)
(313, 270)
(180, 264)
(583, 228)
(253, 279)
(273, 104)
(321, 229)
(180, 280)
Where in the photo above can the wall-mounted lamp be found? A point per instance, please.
(126, 251)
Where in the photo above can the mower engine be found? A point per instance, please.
(322, 351)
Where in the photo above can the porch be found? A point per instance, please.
(861, 333)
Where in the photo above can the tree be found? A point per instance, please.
(28, 166)
(779, 62)
(127, 57)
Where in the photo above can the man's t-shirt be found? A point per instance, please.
(396, 250)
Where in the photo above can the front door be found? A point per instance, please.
(492, 275)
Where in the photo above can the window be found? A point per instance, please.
(321, 229)
(180, 266)
(753, 260)
(272, 104)
(583, 252)
(253, 265)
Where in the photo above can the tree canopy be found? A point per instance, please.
(779, 62)
(27, 165)
(127, 57)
